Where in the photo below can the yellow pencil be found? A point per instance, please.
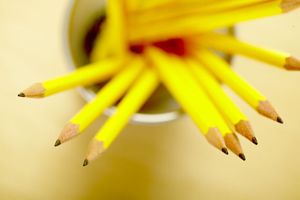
(197, 24)
(191, 96)
(193, 100)
(225, 105)
(143, 87)
(116, 26)
(106, 97)
(184, 9)
(102, 48)
(231, 45)
(222, 70)
(168, 4)
(86, 75)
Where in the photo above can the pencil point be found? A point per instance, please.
(242, 156)
(69, 131)
(292, 64)
(233, 144)
(254, 140)
(94, 150)
(224, 150)
(21, 94)
(244, 128)
(288, 5)
(279, 120)
(36, 90)
(57, 143)
(85, 162)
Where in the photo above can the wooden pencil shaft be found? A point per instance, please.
(187, 92)
(102, 48)
(143, 87)
(185, 10)
(222, 101)
(116, 26)
(231, 45)
(222, 70)
(225, 105)
(253, 97)
(196, 25)
(109, 94)
(86, 75)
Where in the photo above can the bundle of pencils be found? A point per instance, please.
(172, 42)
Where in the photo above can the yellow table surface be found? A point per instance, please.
(167, 161)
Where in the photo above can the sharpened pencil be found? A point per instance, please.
(222, 101)
(137, 95)
(105, 98)
(136, 46)
(102, 47)
(178, 80)
(116, 26)
(229, 44)
(186, 9)
(86, 75)
(187, 26)
(221, 70)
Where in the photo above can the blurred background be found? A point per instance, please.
(161, 162)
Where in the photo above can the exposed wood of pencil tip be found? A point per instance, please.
(232, 142)
(267, 110)
(288, 5)
(35, 91)
(244, 128)
(292, 63)
(215, 138)
(94, 150)
(69, 131)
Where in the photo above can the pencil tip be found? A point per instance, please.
(279, 120)
(242, 156)
(292, 63)
(57, 143)
(254, 140)
(21, 94)
(288, 5)
(224, 150)
(85, 162)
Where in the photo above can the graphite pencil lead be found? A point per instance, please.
(254, 140)
(21, 94)
(225, 150)
(292, 63)
(279, 120)
(85, 162)
(57, 143)
(242, 156)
